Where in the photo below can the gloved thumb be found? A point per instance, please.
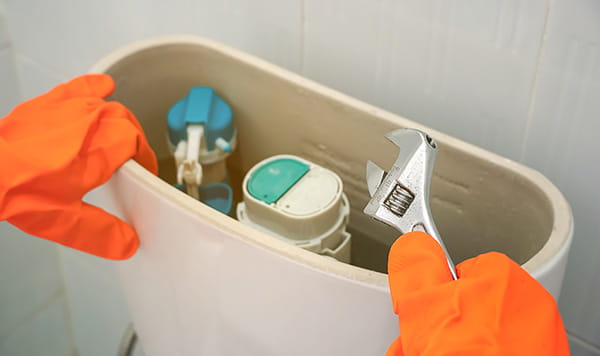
(416, 261)
(83, 227)
(418, 275)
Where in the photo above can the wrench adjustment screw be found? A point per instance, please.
(399, 200)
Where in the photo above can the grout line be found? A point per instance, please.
(534, 88)
(17, 54)
(12, 57)
(57, 74)
(10, 46)
(19, 83)
(69, 310)
(302, 35)
(5, 23)
(4, 28)
(378, 81)
(585, 343)
(20, 57)
(34, 313)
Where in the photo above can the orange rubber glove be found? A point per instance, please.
(57, 147)
(494, 308)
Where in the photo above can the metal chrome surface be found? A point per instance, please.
(400, 197)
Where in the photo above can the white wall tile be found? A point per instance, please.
(581, 348)
(563, 144)
(342, 43)
(43, 335)
(78, 33)
(29, 276)
(270, 29)
(97, 306)
(68, 36)
(465, 68)
(4, 38)
(9, 88)
(35, 79)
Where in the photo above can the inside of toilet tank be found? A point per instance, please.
(478, 205)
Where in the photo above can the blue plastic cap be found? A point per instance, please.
(201, 106)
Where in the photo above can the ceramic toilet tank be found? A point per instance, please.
(203, 283)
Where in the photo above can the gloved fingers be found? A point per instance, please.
(50, 113)
(417, 261)
(114, 141)
(83, 227)
(67, 170)
(416, 264)
(500, 276)
(495, 306)
(76, 165)
(507, 296)
(87, 85)
(115, 109)
(144, 154)
(491, 264)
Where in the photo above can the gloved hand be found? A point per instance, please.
(494, 308)
(57, 147)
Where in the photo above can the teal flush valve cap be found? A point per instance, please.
(204, 107)
(272, 180)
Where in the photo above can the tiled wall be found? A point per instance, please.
(9, 90)
(34, 317)
(521, 78)
(562, 142)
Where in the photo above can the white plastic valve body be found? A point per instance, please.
(298, 202)
(212, 163)
(186, 160)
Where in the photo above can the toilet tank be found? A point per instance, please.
(203, 283)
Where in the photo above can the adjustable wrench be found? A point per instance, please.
(400, 197)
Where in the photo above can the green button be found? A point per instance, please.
(272, 180)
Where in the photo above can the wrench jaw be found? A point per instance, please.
(400, 198)
(375, 176)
